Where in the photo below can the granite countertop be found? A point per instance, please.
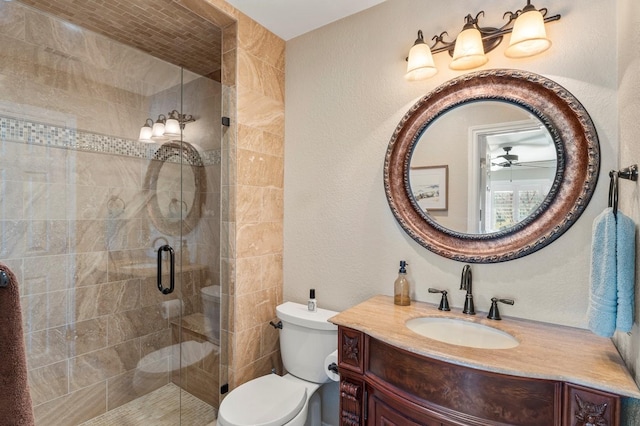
(546, 351)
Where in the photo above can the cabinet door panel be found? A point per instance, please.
(381, 414)
(479, 397)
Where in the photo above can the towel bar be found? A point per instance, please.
(629, 173)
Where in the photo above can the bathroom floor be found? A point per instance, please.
(159, 408)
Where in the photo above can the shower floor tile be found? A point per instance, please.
(159, 408)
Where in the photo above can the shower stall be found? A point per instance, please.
(115, 241)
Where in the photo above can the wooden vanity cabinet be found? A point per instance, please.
(381, 384)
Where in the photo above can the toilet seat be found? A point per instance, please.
(269, 400)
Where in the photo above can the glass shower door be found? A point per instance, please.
(80, 229)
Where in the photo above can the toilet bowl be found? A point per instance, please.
(306, 339)
(153, 368)
(269, 400)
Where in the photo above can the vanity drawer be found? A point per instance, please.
(460, 393)
(350, 349)
(590, 406)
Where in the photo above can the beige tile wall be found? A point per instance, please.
(254, 67)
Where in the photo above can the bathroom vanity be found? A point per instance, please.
(391, 375)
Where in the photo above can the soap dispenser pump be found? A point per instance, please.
(401, 287)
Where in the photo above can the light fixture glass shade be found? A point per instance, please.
(158, 130)
(146, 131)
(529, 36)
(420, 63)
(145, 134)
(468, 52)
(172, 128)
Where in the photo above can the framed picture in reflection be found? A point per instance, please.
(429, 186)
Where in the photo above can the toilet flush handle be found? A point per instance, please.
(274, 325)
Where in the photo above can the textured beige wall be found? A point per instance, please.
(345, 94)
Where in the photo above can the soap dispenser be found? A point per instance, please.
(401, 287)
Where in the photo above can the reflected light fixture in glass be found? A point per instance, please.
(146, 131)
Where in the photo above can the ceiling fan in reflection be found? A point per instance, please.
(509, 160)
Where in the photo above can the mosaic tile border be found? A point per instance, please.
(30, 132)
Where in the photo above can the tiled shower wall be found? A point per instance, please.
(253, 179)
(253, 88)
(73, 208)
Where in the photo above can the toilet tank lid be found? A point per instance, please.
(298, 314)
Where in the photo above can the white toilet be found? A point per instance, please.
(306, 339)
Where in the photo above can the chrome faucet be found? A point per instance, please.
(465, 284)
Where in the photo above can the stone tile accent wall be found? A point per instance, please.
(253, 185)
(23, 131)
(159, 27)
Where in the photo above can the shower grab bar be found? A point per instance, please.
(172, 274)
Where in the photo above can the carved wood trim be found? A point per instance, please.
(350, 403)
(351, 349)
(589, 407)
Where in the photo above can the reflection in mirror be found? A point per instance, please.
(177, 182)
(501, 160)
(171, 205)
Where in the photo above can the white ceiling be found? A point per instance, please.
(291, 18)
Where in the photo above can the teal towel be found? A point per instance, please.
(603, 296)
(626, 271)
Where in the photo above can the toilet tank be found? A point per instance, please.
(211, 310)
(306, 339)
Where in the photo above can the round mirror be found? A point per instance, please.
(491, 166)
(177, 191)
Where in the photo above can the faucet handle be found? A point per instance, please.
(444, 302)
(494, 313)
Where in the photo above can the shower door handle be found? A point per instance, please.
(172, 272)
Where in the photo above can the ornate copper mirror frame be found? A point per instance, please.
(578, 153)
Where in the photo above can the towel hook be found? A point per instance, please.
(629, 173)
(613, 190)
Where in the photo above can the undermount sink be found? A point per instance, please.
(462, 333)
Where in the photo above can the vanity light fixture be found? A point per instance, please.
(528, 38)
(164, 128)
